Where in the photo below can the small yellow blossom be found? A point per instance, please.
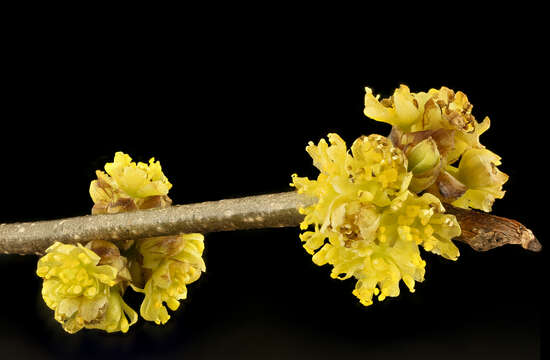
(402, 112)
(116, 315)
(128, 186)
(172, 263)
(478, 171)
(83, 293)
(442, 118)
(138, 180)
(373, 224)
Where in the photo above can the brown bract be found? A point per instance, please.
(110, 255)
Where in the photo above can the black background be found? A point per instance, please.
(230, 116)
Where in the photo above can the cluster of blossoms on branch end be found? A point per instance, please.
(379, 202)
(440, 137)
(373, 223)
(84, 285)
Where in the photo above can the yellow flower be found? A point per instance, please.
(436, 109)
(373, 224)
(83, 293)
(478, 171)
(401, 111)
(128, 186)
(442, 118)
(115, 316)
(172, 262)
(138, 180)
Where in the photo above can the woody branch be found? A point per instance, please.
(479, 230)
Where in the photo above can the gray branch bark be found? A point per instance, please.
(252, 212)
(481, 231)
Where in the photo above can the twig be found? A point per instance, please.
(484, 232)
(481, 231)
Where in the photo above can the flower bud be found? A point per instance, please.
(423, 156)
(424, 161)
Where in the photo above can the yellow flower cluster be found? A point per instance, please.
(128, 186)
(83, 293)
(372, 222)
(436, 130)
(174, 262)
(84, 285)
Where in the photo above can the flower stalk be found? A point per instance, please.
(481, 231)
